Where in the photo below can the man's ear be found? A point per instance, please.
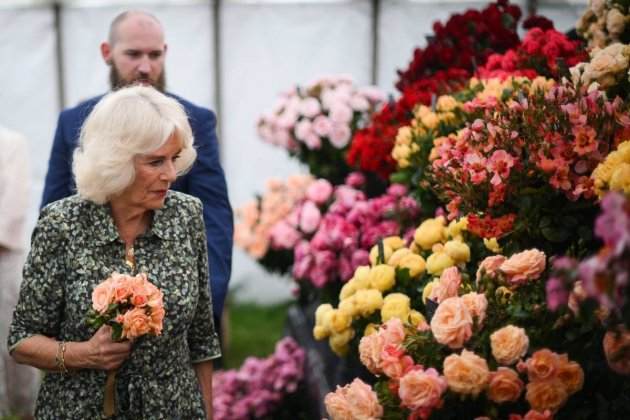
(106, 52)
(165, 48)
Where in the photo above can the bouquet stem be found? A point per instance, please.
(109, 403)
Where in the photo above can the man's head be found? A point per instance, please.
(135, 50)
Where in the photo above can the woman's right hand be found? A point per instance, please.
(103, 353)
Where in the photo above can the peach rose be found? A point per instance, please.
(524, 266)
(570, 374)
(504, 385)
(617, 351)
(490, 265)
(370, 348)
(466, 373)
(546, 395)
(122, 287)
(157, 320)
(452, 323)
(542, 365)
(394, 361)
(392, 332)
(353, 401)
(448, 286)
(509, 344)
(421, 389)
(135, 323)
(102, 296)
(477, 305)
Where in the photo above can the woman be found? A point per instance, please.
(124, 219)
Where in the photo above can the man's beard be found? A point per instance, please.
(117, 82)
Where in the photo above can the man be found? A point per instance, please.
(135, 53)
(18, 383)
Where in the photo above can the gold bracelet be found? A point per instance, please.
(60, 358)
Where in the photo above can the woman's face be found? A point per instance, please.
(155, 172)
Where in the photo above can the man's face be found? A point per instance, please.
(137, 53)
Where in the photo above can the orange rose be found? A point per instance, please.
(524, 266)
(466, 373)
(546, 395)
(617, 350)
(477, 305)
(452, 323)
(135, 323)
(504, 385)
(509, 344)
(157, 320)
(122, 287)
(570, 374)
(102, 296)
(542, 365)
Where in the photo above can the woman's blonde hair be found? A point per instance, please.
(128, 122)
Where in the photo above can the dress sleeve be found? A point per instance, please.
(41, 301)
(203, 341)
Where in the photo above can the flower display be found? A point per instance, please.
(131, 305)
(604, 23)
(260, 386)
(315, 123)
(443, 66)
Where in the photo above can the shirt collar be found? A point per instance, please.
(164, 224)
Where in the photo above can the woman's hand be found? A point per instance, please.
(100, 352)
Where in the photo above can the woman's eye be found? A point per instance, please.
(155, 162)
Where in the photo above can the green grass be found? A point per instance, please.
(253, 330)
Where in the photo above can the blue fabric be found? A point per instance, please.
(205, 181)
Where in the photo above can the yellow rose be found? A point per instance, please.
(370, 329)
(426, 292)
(492, 244)
(415, 263)
(368, 301)
(394, 242)
(446, 103)
(438, 262)
(339, 321)
(620, 179)
(430, 120)
(382, 277)
(347, 290)
(396, 257)
(349, 306)
(321, 311)
(458, 251)
(429, 232)
(456, 227)
(403, 137)
(387, 252)
(339, 342)
(417, 319)
(361, 277)
(396, 305)
(319, 332)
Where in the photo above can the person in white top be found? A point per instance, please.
(18, 383)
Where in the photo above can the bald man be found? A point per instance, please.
(135, 51)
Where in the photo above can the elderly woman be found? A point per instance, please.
(124, 219)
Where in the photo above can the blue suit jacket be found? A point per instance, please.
(205, 180)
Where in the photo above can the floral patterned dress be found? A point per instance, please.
(74, 247)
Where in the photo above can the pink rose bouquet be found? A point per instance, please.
(131, 305)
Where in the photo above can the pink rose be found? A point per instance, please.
(313, 142)
(340, 135)
(448, 285)
(421, 389)
(452, 323)
(102, 296)
(322, 126)
(393, 332)
(310, 216)
(309, 107)
(490, 265)
(394, 361)
(340, 113)
(284, 236)
(319, 191)
(303, 129)
(467, 373)
(524, 266)
(370, 348)
(477, 305)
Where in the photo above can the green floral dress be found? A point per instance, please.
(74, 247)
